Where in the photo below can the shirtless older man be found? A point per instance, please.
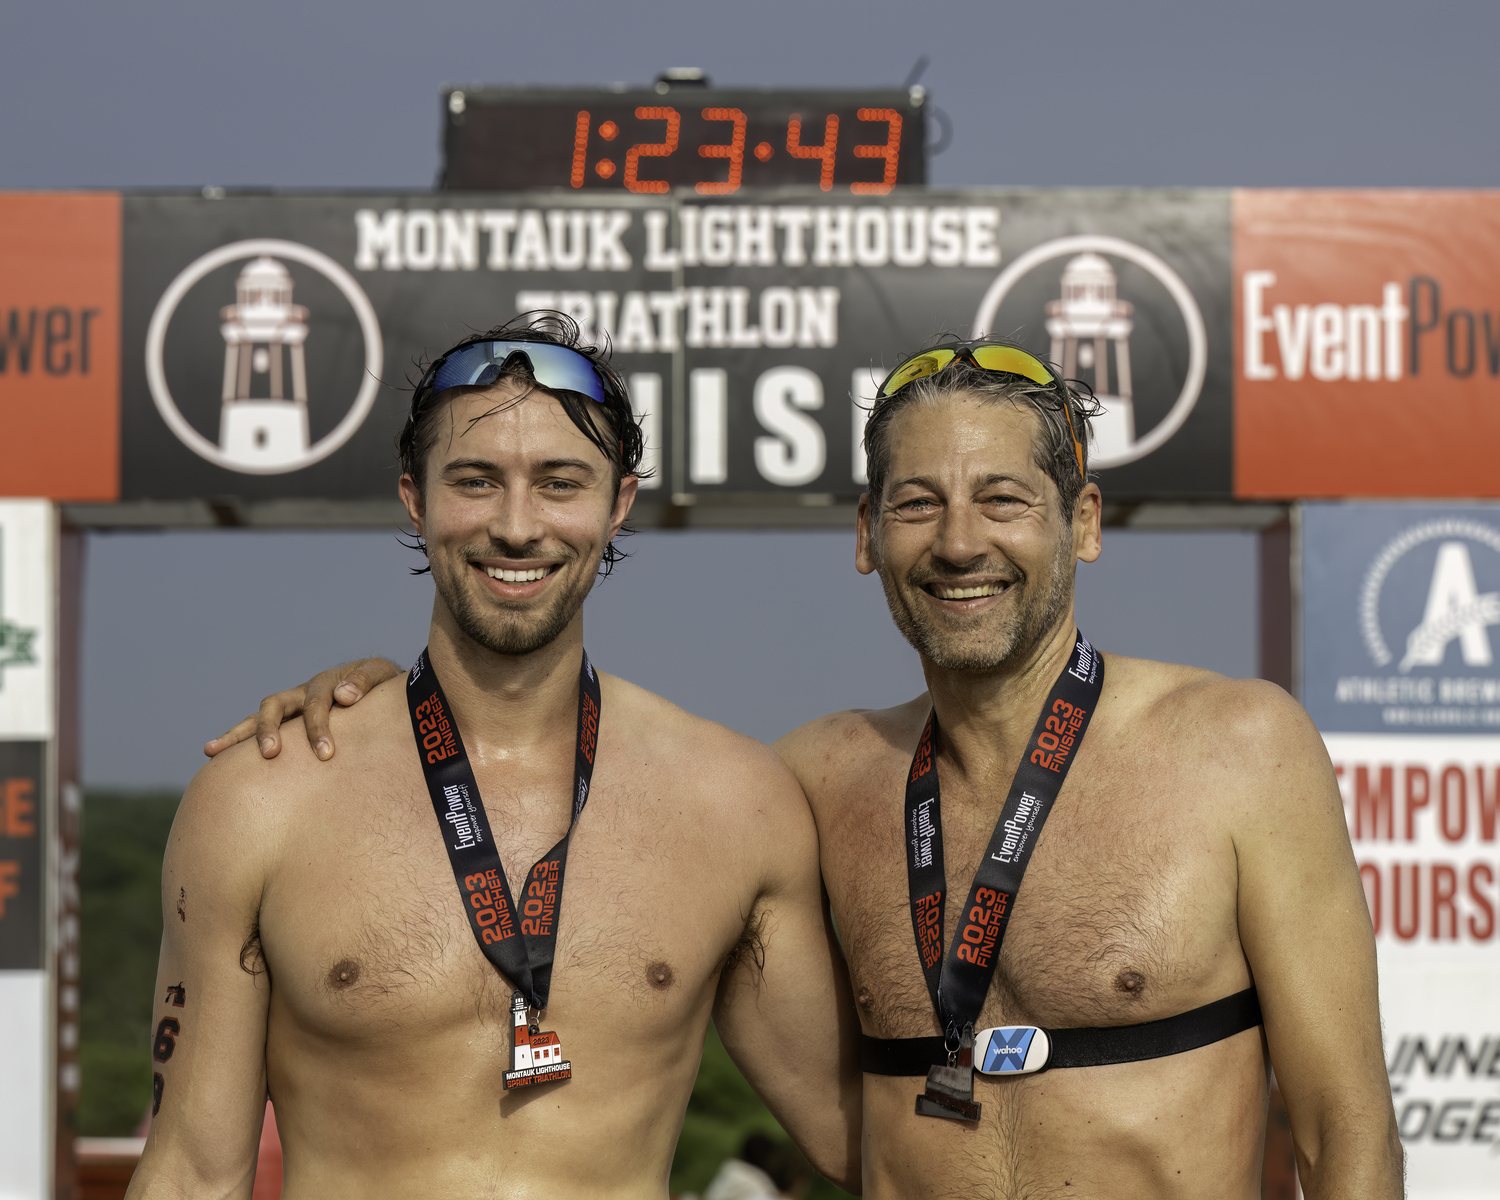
(1191, 907)
(433, 1014)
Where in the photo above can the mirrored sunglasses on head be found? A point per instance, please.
(987, 356)
(479, 364)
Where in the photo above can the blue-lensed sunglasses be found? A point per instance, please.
(479, 364)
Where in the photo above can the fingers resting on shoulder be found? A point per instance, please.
(314, 700)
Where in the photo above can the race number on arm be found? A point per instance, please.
(209, 1013)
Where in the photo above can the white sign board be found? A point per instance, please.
(1399, 645)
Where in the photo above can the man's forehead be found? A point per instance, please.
(512, 418)
(960, 430)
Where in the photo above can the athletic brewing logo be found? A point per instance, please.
(1428, 606)
(265, 425)
(15, 641)
(1455, 610)
(1093, 330)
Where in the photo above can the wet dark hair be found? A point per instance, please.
(1053, 404)
(621, 442)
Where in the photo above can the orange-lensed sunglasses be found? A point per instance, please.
(987, 356)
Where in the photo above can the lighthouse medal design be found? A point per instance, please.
(535, 1056)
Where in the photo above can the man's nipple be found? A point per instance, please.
(1131, 983)
(343, 974)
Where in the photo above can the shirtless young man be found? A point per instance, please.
(317, 943)
(1197, 846)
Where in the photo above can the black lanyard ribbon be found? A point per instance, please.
(521, 945)
(960, 983)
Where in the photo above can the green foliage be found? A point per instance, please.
(124, 835)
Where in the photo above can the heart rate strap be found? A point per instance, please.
(960, 981)
(521, 942)
(1096, 1047)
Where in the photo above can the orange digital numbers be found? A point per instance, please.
(660, 149)
(825, 151)
(734, 151)
(890, 151)
(580, 149)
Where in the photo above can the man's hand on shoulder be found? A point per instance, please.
(314, 700)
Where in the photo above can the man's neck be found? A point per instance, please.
(507, 703)
(986, 717)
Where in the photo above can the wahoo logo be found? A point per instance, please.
(1011, 1050)
(416, 669)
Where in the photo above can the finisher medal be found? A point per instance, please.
(522, 944)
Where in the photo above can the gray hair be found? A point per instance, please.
(1053, 405)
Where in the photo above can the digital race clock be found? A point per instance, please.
(712, 140)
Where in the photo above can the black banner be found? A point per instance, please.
(268, 340)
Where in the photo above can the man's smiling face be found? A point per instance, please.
(975, 556)
(518, 509)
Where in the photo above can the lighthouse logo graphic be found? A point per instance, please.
(1090, 327)
(263, 393)
(535, 1055)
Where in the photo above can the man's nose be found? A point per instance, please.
(516, 519)
(961, 535)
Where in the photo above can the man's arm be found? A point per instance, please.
(314, 700)
(1306, 931)
(208, 1052)
(784, 1009)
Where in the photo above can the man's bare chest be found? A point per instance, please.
(1127, 906)
(364, 931)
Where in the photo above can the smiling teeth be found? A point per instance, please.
(968, 593)
(516, 576)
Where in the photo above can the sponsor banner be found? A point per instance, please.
(269, 339)
(1400, 617)
(59, 345)
(1398, 671)
(23, 892)
(28, 619)
(1367, 343)
(1422, 813)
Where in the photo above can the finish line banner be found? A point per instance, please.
(266, 343)
(1400, 617)
(1245, 345)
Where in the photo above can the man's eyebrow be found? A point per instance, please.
(468, 464)
(929, 482)
(556, 464)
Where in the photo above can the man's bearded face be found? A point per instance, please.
(974, 556)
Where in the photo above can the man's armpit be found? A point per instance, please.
(252, 957)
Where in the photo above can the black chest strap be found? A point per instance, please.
(1086, 1047)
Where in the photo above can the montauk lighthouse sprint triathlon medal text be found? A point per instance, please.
(521, 945)
(960, 983)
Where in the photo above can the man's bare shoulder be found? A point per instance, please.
(1248, 713)
(367, 734)
(826, 751)
(681, 749)
(1245, 737)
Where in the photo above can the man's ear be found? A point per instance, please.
(629, 485)
(1088, 534)
(864, 537)
(411, 497)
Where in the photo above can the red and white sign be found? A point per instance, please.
(1367, 343)
(1424, 814)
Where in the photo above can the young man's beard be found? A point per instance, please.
(508, 632)
(1041, 603)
